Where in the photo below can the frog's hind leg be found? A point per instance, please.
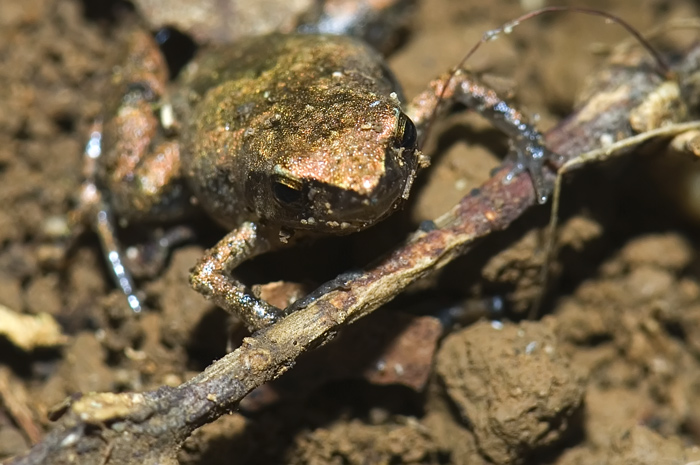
(339, 282)
(137, 175)
(527, 143)
(141, 164)
(211, 277)
(93, 210)
(96, 212)
(104, 226)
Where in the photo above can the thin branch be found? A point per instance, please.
(149, 427)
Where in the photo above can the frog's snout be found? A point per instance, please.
(364, 209)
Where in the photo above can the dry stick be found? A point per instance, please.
(149, 427)
(610, 151)
(16, 400)
(597, 155)
(662, 68)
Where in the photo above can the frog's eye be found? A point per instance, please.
(287, 191)
(407, 134)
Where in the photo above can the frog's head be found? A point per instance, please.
(344, 173)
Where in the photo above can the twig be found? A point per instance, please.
(149, 427)
(16, 400)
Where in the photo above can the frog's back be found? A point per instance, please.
(276, 58)
(304, 107)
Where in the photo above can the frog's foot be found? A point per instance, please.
(340, 282)
(461, 86)
(211, 277)
(100, 217)
(531, 155)
(115, 258)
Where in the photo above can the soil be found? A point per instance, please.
(610, 374)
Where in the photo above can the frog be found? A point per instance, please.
(278, 138)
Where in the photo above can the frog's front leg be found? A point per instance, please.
(526, 141)
(211, 277)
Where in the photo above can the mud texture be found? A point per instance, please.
(610, 375)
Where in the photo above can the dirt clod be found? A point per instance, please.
(513, 386)
(359, 443)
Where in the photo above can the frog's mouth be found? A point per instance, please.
(338, 211)
(328, 209)
(343, 205)
(346, 210)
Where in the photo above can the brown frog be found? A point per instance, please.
(276, 138)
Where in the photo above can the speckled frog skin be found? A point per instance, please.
(275, 137)
(298, 132)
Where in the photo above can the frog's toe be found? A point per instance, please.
(532, 158)
(340, 282)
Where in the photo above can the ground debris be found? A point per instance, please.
(513, 385)
(639, 446)
(270, 352)
(29, 332)
(16, 400)
(355, 442)
(641, 357)
(388, 348)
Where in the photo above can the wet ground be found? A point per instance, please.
(610, 374)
